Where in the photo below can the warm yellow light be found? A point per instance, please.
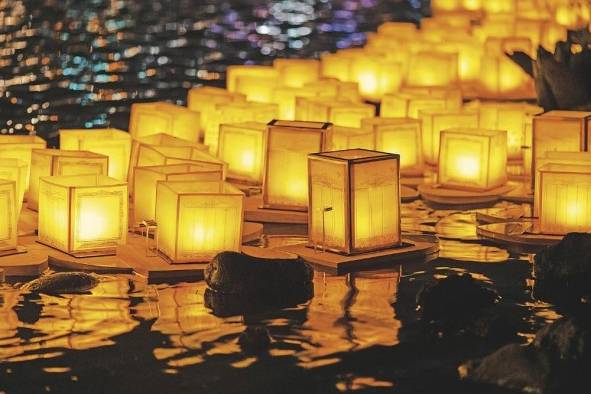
(564, 198)
(354, 201)
(414, 94)
(53, 162)
(156, 155)
(499, 6)
(296, 73)
(402, 105)
(15, 170)
(446, 5)
(573, 14)
(114, 143)
(286, 165)
(338, 112)
(351, 138)
(255, 82)
(406, 30)
(204, 99)
(242, 147)
(331, 87)
(10, 209)
(285, 98)
(160, 117)
(146, 179)
(338, 65)
(197, 220)
(434, 121)
(473, 159)
(20, 147)
(433, 69)
(83, 214)
(500, 76)
(376, 75)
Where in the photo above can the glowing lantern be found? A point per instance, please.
(401, 136)
(446, 5)
(115, 144)
(564, 198)
(354, 201)
(285, 98)
(566, 131)
(433, 121)
(53, 162)
(341, 113)
(160, 117)
(338, 65)
(286, 164)
(296, 73)
(551, 34)
(20, 147)
(405, 30)
(197, 220)
(453, 96)
(10, 211)
(83, 215)
(351, 138)
(146, 179)
(150, 155)
(501, 45)
(500, 76)
(15, 170)
(473, 159)
(242, 147)
(573, 14)
(433, 69)
(204, 99)
(409, 105)
(335, 88)
(499, 6)
(469, 53)
(255, 82)
(376, 76)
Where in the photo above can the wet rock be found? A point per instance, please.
(494, 325)
(255, 339)
(567, 340)
(62, 283)
(563, 271)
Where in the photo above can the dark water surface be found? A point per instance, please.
(74, 63)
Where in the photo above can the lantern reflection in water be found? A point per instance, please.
(242, 147)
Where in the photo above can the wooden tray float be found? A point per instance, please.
(408, 194)
(29, 260)
(499, 215)
(520, 194)
(432, 192)
(523, 233)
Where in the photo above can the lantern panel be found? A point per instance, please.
(237, 71)
(242, 147)
(565, 198)
(83, 214)
(404, 105)
(376, 76)
(336, 65)
(285, 98)
(422, 68)
(453, 96)
(197, 220)
(296, 73)
(204, 100)
(20, 147)
(473, 159)
(15, 170)
(340, 113)
(8, 219)
(500, 75)
(352, 137)
(160, 117)
(334, 88)
(286, 164)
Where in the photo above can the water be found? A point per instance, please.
(67, 63)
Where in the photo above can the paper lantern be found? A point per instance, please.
(473, 159)
(53, 162)
(354, 201)
(401, 136)
(197, 220)
(20, 147)
(453, 96)
(296, 73)
(255, 82)
(573, 14)
(564, 199)
(433, 69)
(501, 45)
(338, 112)
(83, 215)
(500, 76)
(402, 105)
(114, 143)
(285, 98)
(499, 6)
(15, 170)
(146, 179)
(242, 147)
(376, 76)
(338, 65)
(286, 162)
(204, 99)
(433, 121)
(469, 54)
(343, 138)
(334, 88)
(10, 208)
(446, 5)
(566, 131)
(151, 155)
(160, 117)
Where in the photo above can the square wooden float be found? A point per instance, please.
(30, 259)
(500, 215)
(523, 233)
(434, 193)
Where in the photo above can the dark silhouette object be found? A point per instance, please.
(255, 340)
(62, 283)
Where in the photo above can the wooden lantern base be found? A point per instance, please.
(521, 193)
(524, 233)
(29, 260)
(253, 212)
(499, 215)
(412, 172)
(439, 195)
(27, 222)
(408, 194)
(340, 264)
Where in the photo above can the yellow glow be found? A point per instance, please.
(376, 75)
(467, 167)
(161, 117)
(402, 105)
(20, 147)
(204, 99)
(15, 170)
(296, 73)
(352, 137)
(10, 212)
(501, 76)
(242, 146)
(94, 225)
(422, 68)
(338, 112)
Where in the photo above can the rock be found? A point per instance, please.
(494, 325)
(563, 271)
(566, 339)
(62, 283)
(242, 274)
(254, 340)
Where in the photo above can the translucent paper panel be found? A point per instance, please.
(376, 205)
(20, 147)
(339, 113)
(376, 75)
(15, 170)
(405, 105)
(337, 66)
(285, 98)
(434, 121)
(423, 65)
(500, 75)
(204, 100)
(54, 215)
(161, 117)
(235, 72)
(297, 72)
(401, 136)
(8, 218)
(351, 138)
(329, 205)
(258, 88)
(242, 148)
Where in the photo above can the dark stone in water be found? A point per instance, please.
(563, 271)
(255, 339)
(62, 283)
(567, 340)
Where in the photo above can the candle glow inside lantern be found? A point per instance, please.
(15, 170)
(255, 82)
(473, 159)
(338, 112)
(114, 143)
(203, 99)
(160, 117)
(286, 164)
(433, 69)
(197, 220)
(20, 147)
(433, 121)
(54, 162)
(296, 73)
(343, 138)
(242, 147)
(564, 198)
(402, 105)
(332, 87)
(146, 179)
(376, 76)
(500, 76)
(8, 219)
(354, 201)
(83, 215)
(285, 98)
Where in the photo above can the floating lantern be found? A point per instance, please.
(376, 75)
(160, 117)
(204, 99)
(401, 136)
(499, 6)
(83, 215)
(53, 162)
(433, 69)
(285, 98)
(338, 112)
(15, 170)
(354, 201)
(197, 220)
(473, 159)
(501, 45)
(10, 211)
(20, 147)
(338, 65)
(453, 96)
(286, 164)
(242, 147)
(343, 138)
(296, 73)
(150, 155)
(433, 121)
(146, 179)
(334, 88)
(255, 82)
(114, 143)
(500, 76)
(573, 14)
(402, 105)
(564, 198)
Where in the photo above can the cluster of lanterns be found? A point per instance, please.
(329, 154)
